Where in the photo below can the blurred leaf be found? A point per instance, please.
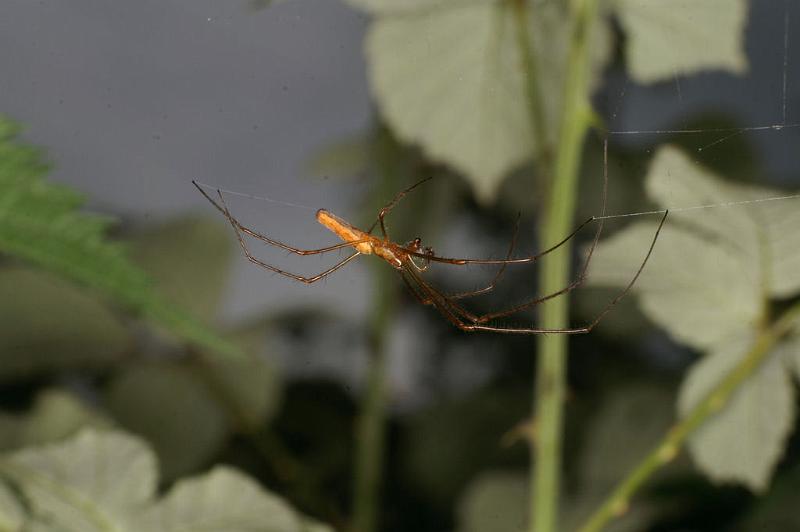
(743, 442)
(47, 325)
(93, 482)
(223, 500)
(40, 223)
(57, 415)
(10, 430)
(637, 415)
(495, 501)
(711, 269)
(448, 76)
(708, 283)
(12, 513)
(174, 411)
(189, 260)
(449, 443)
(100, 481)
(692, 286)
(251, 385)
(666, 38)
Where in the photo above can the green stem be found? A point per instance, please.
(370, 434)
(617, 503)
(552, 349)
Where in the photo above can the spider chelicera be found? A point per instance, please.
(412, 259)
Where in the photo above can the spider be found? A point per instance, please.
(412, 258)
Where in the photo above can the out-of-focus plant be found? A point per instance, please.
(101, 481)
(41, 223)
(486, 86)
(64, 346)
(716, 284)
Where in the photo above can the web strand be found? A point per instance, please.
(699, 207)
(260, 198)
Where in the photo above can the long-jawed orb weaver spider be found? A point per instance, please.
(411, 259)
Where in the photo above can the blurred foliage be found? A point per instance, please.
(710, 283)
(107, 481)
(40, 223)
(473, 116)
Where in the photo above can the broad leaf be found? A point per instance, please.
(40, 223)
(223, 500)
(48, 324)
(103, 481)
(744, 441)
(174, 411)
(12, 513)
(189, 261)
(692, 286)
(57, 415)
(251, 385)
(94, 482)
(449, 76)
(665, 38)
(712, 270)
(708, 284)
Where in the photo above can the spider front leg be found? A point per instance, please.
(238, 229)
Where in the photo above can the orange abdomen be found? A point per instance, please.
(346, 232)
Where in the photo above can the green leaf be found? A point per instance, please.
(692, 286)
(12, 513)
(712, 270)
(173, 410)
(744, 441)
(666, 38)
(48, 324)
(223, 500)
(448, 76)
(94, 482)
(40, 223)
(708, 284)
(250, 386)
(189, 260)
(449, 444)
(495, 501)
(57, 415)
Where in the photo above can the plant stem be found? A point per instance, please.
(552, 349)
(617, 503)
(370, 433)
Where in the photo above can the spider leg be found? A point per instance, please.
(432, 297)
(577, 282)
(308, 280)
(489, 287)
(450, 310)
(223, 208)
(521, 260)
(391, 205)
